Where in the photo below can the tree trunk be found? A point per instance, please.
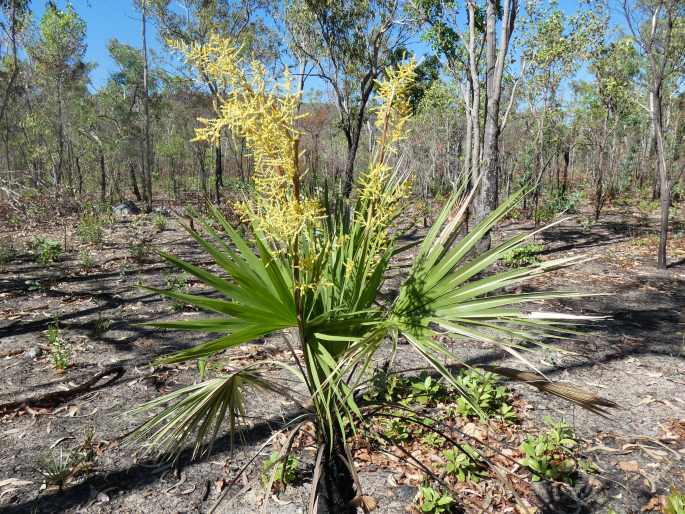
(352, 146)
(147, 172)
(103, 177)
(664, 188)
(218, 172)
(487, 197)
(336, 486)
(134, 180)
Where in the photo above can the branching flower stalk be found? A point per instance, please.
(314, 269)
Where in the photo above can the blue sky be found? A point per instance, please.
(107, 19)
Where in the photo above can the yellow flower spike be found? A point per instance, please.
(264, 113)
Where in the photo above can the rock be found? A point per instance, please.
(33, 353)
(127, 208)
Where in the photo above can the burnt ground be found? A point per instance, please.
(636, 357)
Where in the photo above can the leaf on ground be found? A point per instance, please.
(629, 466)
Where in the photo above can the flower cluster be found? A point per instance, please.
(383, 187)
(264, 113)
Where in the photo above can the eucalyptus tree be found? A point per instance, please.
(658, 29)
(15, 14)
(615, 67)
(58, 56)
(463, 47)
(350, 43)
(554, 46)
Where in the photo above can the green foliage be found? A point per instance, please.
(178, 284)
(524, 255)
(56, 468)
(397, 430)
(433, 439)
(426, 390)
(544, 214)
(484, 398)
(391, 387)
(432, 501)
(675, 503)
(45, 251)
(101, 326)
(140, 250)
(159, 221)
(464, 463)
(566, 203)
(89, 229)
(86, 260)
(283, 470)
(60, 353)
(549, 455)
(319, 275)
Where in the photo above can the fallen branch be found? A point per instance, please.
(59, 396)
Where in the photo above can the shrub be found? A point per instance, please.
(45, 251)
(282, 469)
(177, 284)
(101, 326)
(59, 348)
(544, 214)
(139, 250)
(486, 398)
(464, 463)
(550, 454)
(524, 255)
(431, 501)
(55, 468)
(89, 229)
(159, 221)
(86, 260)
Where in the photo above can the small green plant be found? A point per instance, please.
(7, 252)
(397, 430)
(391, 387)
(433, 439)
(431, 501)
(178, 284)
(159, 221)
(587, 223)
(524, 255)
(464, 463)
(387, 387)
(283, 472)
(45, 251)
(675, 502)
(426, 390)
(139, 251)
(101, 326)
(59, 348)
(550, 454)
(56, 468)
(484, 392)
(86, 260)
(544, 214)
(89, 229)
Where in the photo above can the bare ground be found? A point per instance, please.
(635, 357)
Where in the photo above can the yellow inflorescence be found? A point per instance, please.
(380, 186)
(264, 113)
